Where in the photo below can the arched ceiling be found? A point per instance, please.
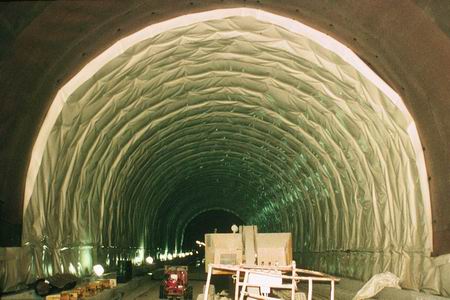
(32, 70)
(236, 109)
(42, 56)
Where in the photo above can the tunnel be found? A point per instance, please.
(221, 116)
(209, 221)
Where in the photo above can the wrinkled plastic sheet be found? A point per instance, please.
(239, 113)
(22, 266)
(376, 284)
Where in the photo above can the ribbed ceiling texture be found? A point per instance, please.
(236, 114)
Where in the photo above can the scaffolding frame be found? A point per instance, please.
(289, 273)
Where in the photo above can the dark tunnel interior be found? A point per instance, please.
(211, 221)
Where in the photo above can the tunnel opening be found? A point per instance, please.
(240, 110)
(211, 221)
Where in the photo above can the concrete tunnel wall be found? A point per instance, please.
(215, 192)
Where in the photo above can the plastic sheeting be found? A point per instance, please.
(376, 284)
(243, 114)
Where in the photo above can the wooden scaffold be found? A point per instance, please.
(257, 282)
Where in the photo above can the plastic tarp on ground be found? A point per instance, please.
(376, 284)
(240, 110)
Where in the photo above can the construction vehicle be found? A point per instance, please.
(175, 283)
(260, 264)
(246, 246)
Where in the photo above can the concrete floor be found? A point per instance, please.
(150, 291)
(345, 290)
(147, 288)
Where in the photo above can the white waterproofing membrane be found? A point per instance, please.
(239, 110)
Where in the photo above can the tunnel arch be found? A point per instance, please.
(321, 152)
